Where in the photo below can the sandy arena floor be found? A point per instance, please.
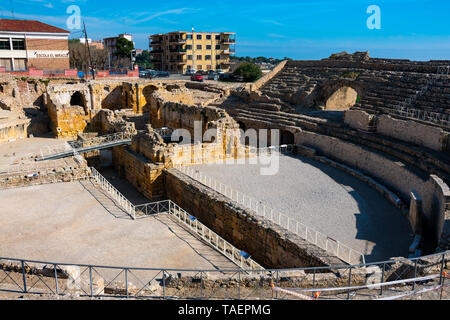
(325, 199)
(76, 223)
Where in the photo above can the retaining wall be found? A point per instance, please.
(269, 244)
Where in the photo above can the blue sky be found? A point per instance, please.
(299, 29)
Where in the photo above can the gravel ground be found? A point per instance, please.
(325, 199)
(77, 223)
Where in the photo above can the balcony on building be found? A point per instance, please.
(178, 50)
(177, 40)
(229, 51)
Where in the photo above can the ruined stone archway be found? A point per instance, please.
(342, 99)
(78, 99)
(286, 137)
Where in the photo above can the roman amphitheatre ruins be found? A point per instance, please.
(99, 200)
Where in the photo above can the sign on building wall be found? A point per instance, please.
(48, 54)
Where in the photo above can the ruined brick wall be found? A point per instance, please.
(15, 130)
(144, 175)
(268, 244)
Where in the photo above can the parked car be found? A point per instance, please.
(190, 72)
(197, 77)
(213, 76)
(220, 71)
(202, 72)
(163, 74)
(226, 77)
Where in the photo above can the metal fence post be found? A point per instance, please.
(126, 283)
(382, 279)
(24, 277)
(56, 280)
(314, 281)
(239, 289)
(442, 270)
(276, 292)
(349, 282)
(90, 281)
(164, 284)
(415, 275)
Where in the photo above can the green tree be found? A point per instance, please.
(143, 60)
(124, 47)
(249, 71)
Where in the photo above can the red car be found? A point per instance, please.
(197, 77)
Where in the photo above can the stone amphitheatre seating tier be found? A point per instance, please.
(417, 158)
(381, 83)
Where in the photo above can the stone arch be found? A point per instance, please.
(242, 125)
(339, 95)
(78, 99)
(286, 137)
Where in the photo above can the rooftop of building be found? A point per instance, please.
(182, 32)
(17, 25)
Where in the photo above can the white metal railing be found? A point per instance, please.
(114, 193)
(317, 238)
(164, 132)
(76, 145)
(100, 140)
(213, 239)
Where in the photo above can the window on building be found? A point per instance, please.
(199, 37)
(188, 47)
(199, 57)
(4, 44)
(207, 57)
(18, 44)
(218, 37)
(218, 57)
(208, 37)
(189, 57)
(199, 47)
(6, 63)
(20, 64)
(217, 46)
(208, 47)
(199, 67)
(189, 36)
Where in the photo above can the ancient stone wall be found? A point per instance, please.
(413, 132)
(268, 243)
(17, 129)
(45, 176)
(259, 83)
(360, 120)
(143, 174)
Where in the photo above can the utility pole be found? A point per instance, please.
(88, 49)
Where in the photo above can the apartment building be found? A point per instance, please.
(178, 51)
(111, 45)
(28, 44)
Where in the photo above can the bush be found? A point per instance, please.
(249, 71)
